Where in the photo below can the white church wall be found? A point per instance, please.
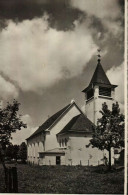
(63, 140)
(28, 152)
(51, 139)
(90, 106)
(41, 146)
(79, 154)
(63, 160)
(98, 105)
(35, 145)
(33, 153)
(94, 105)
(51, 160)
(42, 161)
(36, 153)
(51, 142)
(76, 153)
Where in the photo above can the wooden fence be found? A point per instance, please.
(11, 180)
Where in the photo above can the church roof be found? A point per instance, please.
(99, 77)
(79, 123)
(49, 121)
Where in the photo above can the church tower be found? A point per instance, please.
(99, 90)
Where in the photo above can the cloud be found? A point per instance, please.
(116, 76)
(7, 89)
(35, 56)
(101, 9)
(108, 11)
(27, 119)
(20, 136)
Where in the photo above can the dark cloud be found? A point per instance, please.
(61, 13)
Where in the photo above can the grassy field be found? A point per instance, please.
(66, 180)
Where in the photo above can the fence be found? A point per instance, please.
(11, 180)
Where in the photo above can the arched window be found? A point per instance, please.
(33, 149)
(62, 142)
(38, 150)
(65, 142)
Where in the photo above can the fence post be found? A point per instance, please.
(9, 179)
(88, 162)
(15, 179)
(6, 179)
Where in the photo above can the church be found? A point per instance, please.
(63, 138)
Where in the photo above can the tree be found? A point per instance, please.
(109, 132)
(9, 152)
(10, 122)
(15, 152)
(23, 152)
(12, 152)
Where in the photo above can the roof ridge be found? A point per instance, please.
(72, 102)
(54, 118)
(40, 128)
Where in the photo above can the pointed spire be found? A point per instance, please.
(99, 77)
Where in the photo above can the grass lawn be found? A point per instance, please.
(66, 180)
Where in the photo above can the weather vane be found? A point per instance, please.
(99, 56)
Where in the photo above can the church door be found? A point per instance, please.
(58, 160)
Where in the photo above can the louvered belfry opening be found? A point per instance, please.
(104, 91)
(90, 94)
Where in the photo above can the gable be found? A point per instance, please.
(64, 119)
(72, 110)
(49, 122)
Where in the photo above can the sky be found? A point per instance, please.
(48, 53)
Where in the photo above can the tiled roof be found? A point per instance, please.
(79, 123)
(49, 122)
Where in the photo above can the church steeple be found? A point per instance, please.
(98, 91)
(99, 77)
